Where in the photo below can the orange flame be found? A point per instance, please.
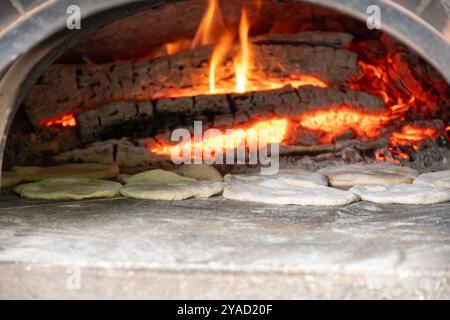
(211, 27)
(219, 53)
(275, 130)
(65, 120)
(173, 47)
(212, 31)
(242, 63)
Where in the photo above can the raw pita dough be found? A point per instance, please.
(155, 176)
(68, 189)
(172, 191)
(356, 174)
(200, 172)
(439, 179)
(294, 177)
(278, 191)
(10, 178)
(74, 170)
(402, 194)
(165, 185)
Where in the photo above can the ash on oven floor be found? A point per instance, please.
(217, 248)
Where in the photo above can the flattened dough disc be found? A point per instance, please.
(68, 189)
(154, 176)
(436, 179)
(172, 191)
(356, 174)
(295, 177)
(273, 191)
(402, 194)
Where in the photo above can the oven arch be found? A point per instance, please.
(35, 39)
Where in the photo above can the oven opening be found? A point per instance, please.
(250, 135)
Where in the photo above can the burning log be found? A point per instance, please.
(220, 111)
(100, 124)
(334, 147)
(233, 110)
(120, 152)
(303, 58)
(315, 38)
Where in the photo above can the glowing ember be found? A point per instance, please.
(273, 130)
(377, 82)
(66, 120)
(336, 121)
(412, 135)
(295, 81)
(391, 154)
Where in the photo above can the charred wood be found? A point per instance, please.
(72, 88)
(218, 111)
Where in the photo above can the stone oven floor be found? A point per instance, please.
(217, 248)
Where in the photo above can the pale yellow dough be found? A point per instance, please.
(68, 189)
(200, 172)
(165, 185)
(172, 190)
(154, 176)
